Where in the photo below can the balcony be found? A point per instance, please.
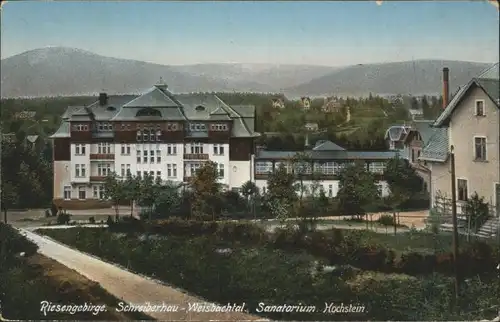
(102, 156)
(196, 156)
(97, 178)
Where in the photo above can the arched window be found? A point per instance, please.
(148, 112)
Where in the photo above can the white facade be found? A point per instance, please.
(330, 187)
(170, 162)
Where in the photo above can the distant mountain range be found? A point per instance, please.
(62, 71)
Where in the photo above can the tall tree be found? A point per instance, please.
(249, 190)
(206, 190)
(148, 190)
(10, 197)
(358, 191)
(281, 193)
(114, 191)
(403, 182)
(132, 191)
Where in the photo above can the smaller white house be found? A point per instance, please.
(325, 159)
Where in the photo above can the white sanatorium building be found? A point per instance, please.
(170, 136)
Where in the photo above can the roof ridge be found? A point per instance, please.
(226, 105)
(175, 100)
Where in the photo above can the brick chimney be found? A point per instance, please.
(103, 99)
(446, 87)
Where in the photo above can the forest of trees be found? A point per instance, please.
(26, 176)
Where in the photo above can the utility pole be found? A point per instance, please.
(455, 228)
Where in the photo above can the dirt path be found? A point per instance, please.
(129, 287)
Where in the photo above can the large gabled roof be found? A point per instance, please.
(490, 86)
(488, 81)
(492, 72)
(164, 105)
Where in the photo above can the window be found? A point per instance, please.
(329, 168)
(82, 194)
(138, 156)
(67, 192)
(412, 155)
(193, 167)
(263, 167)
(152, 174)
(98, 192)
(303, 168)
(172, 170)
(330, 190)
(139, 136)
(171, 149)
(287, 166)
(103, 169)
(218, 127)
(145, 135)
(79, 170)
(145, 156)
(158, 156)
(103, 148)
(79, 149)
(138, 173)
(145, 174)
(197, 127)
(462, 190)
(218, 149)
(158, 174)
(480, 108)
(480, 148)
(197, 148)
(123, 170)
(377, 167)
(221, 170)
(151, 156)
(125, 149)
(158, 135)
(171, 127)
(127, 167)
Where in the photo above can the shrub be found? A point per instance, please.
(92, 220)
(47, 213)
(415, 263)
(386, 220)
(110, 221)
(63, 218)
(53, 209)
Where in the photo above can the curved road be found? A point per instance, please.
(130, 287)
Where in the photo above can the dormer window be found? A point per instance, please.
(219, 127)
(200, 108)
(197, 127)
(139, 135)
(480, 108)
(172, 127)
(158, 135)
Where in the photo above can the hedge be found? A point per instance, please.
(337, 246)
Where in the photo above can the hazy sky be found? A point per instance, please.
(320, 33)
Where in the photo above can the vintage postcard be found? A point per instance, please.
(250, 160)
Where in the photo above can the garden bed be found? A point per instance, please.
(26, 281)
(221, 271)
